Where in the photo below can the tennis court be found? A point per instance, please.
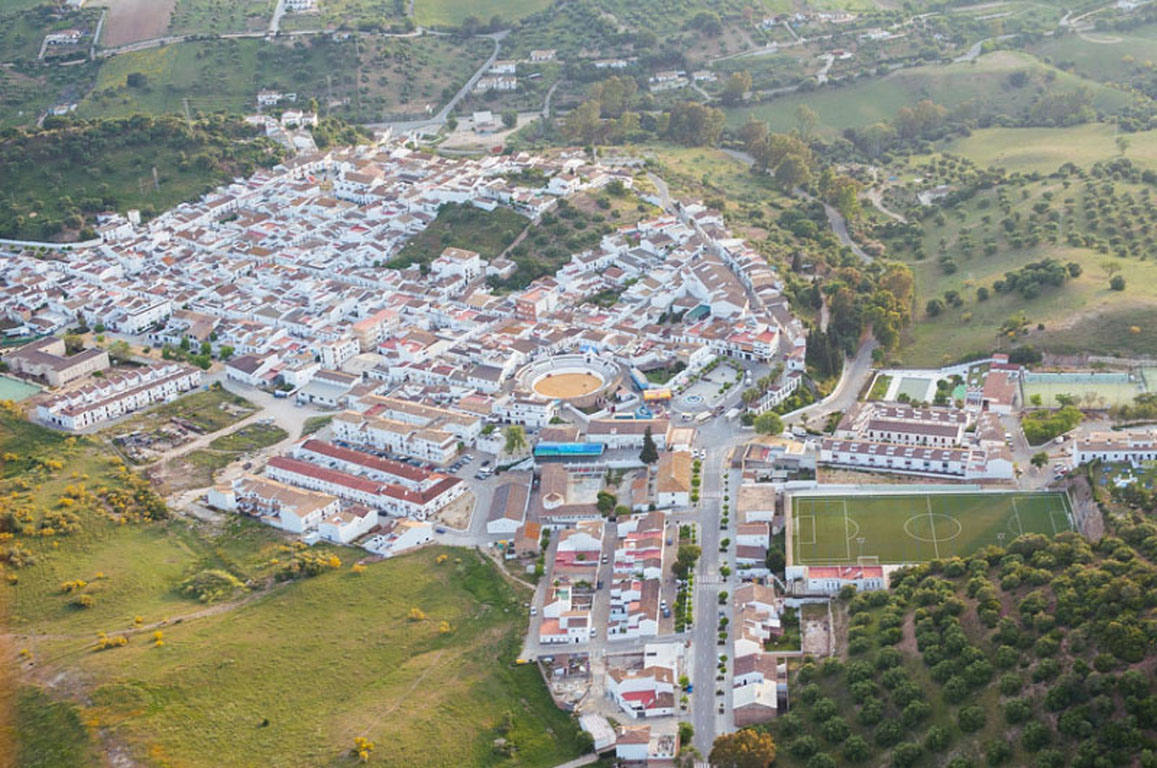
(1090, 390)
(918, 389)
(916, 527)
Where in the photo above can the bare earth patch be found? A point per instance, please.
(456, 514)
(130, 21)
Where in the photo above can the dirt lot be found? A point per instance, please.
(817, 632)
(456, 514)
(130, 21)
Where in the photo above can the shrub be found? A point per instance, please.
(803, 747)
(1010, 684)
(1035, 736)
(971, 719)
(997, 752)
(835, 730)
(937, 739)
(211, 585)
(856, 749)
(888, 733)
(83, 601)
(906, 754)
(1017, 711)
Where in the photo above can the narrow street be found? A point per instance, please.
(708, 583)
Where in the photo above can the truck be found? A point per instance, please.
(705, 416)
(732, 413)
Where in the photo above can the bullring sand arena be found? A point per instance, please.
(567, 385)
(582, 380)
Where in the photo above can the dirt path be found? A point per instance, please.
(875, 196)
(138, 629)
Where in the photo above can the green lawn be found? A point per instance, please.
(315, 424)
(984, 82)
(913, 528)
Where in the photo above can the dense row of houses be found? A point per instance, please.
(930, 441)
(342, 495)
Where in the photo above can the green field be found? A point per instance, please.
(451, 13)
(220, 16)
(1046, 149)
(367, 78)
(1094, 390)
(917, 527)
(984, 83)
(284, 672)
(57, 178)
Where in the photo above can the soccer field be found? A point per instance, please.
(916, 527)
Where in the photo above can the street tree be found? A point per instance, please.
(768, 423)
(743, 749)
(650, 453)
(515, 439)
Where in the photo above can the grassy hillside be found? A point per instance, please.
(1043, 150)
(462, 226)
(1107, 57)
(451, 13)
(57, 178)
(984, 82)
(365, 79)
(220, 16)
(1096, 218)
(286, 672)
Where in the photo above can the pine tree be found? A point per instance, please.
(649, 454)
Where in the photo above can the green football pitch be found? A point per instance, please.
(917, 527)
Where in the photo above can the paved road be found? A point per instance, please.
(275, 19)
(546, 101)
(664, 191)
(718, 480)
(854, 376)
(436, 122)
(972, 53)
(835, 218)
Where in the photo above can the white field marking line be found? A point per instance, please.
(1070, 517)
(1016, 517)
(932, 524)
(799, 529)
(847, 544)
(1052, 521)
